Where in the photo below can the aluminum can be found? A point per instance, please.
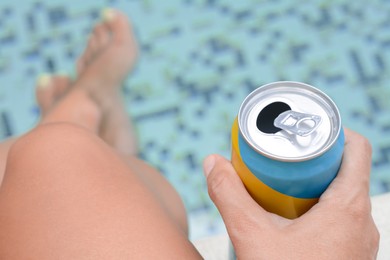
(287, 146)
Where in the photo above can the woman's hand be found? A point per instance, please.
(339, 226)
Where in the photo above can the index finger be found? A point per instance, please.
(354, 173)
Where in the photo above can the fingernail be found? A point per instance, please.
(44, 81)
(208, 164)
(108, 14)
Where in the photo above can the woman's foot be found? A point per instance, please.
(93, 101)
(50, 89)
(108, 58)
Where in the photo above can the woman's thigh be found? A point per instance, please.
(66, 194)
(162, 190)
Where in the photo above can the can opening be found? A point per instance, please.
(265, 119)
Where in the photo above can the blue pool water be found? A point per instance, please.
(198, 60)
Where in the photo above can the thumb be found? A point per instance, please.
(228, 193)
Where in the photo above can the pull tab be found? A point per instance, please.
(297, 123)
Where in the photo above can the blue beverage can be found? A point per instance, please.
(287, 146)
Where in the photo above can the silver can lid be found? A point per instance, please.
(289, 121)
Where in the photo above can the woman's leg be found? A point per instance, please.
(73, 197)
(48, 91)
(51, 150)
(4, 148)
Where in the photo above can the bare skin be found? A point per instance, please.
(73, 189)
(72, 186)
(110, 53)
(339, 226)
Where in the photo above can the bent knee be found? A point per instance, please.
(49, 143)
(49, 137)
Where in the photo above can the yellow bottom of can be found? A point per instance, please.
(270, 199)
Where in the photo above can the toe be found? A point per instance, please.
(84, 58)
(61, 84)
(91, 50)
(118, 24)
(50, 89)
(97, 42)
(44, 92)
(102, 35)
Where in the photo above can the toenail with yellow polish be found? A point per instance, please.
(44, 81)
(108, 14)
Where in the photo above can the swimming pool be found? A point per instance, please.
(198, 60)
